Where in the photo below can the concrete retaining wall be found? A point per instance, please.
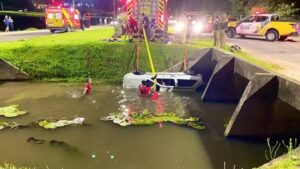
(268, 104)
(10, 72)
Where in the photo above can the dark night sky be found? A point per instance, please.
(178, 6)
(204, 6)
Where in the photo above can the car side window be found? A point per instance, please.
(249, 19)
(261, 18)
(275, 18)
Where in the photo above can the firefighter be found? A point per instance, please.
(146, 24)
(131, 27)
(152, 30)
(87, 87)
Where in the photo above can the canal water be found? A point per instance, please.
(99, 144)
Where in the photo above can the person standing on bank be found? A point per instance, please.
(6, 22)
(146, 24)
(11, 24)
(224, 24)
(217, 30)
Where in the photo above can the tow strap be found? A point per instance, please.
(155, 94)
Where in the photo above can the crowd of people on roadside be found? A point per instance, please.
(220, 23)
(9, 23)
(133, 27)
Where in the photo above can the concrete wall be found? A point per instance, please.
(10, 72)
(268, 104)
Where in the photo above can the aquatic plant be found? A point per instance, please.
(11, 111)
(11, 166)
(271, 153)
(46, 124)
(4, 125)
(145, 118)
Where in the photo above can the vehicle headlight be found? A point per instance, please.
(197, 28)
(50, 15)
(179, 27)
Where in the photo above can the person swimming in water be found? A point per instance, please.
(88, 87)
(144, 89)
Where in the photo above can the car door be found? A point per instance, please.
(247, 26)
(261, 22)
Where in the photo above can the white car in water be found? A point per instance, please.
(169, 80)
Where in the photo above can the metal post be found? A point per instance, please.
(114, 9)
(73, 4)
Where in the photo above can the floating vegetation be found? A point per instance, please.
(145, 118)
(11, 166)
(46, 124)
(60, 123)
(4, 125)
(11, 111)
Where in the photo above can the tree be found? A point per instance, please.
(285, 8)
(286, 11)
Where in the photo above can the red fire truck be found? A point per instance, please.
(59, 17)
(156, 10)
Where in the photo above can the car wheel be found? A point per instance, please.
(282, 38)
(272, 35)
(52, 30)
(231, 33)
(68, 29)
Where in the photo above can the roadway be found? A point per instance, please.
(285, 54)
(20, 35)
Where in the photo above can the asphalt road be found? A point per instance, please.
(14, 36)
(285, 54)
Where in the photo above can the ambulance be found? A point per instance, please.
(156, 10)
(61, 18)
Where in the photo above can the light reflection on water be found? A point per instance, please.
(105, 145)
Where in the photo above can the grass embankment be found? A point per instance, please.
(27, 14)
(82, 54)
(288, 161)
(77, 55)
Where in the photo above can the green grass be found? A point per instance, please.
(286, 163)
(258, 62)
(82, 54)
(27, 14)
(77, 55)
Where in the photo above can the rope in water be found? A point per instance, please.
(150, 58)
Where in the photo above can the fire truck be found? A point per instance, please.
(62, 17)
(156, 10)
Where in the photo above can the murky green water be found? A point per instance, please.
(114, 147)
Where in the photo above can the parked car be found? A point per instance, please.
(265, 25)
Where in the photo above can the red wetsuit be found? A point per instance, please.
(132, 24)
(144, 90)
(88, 88)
